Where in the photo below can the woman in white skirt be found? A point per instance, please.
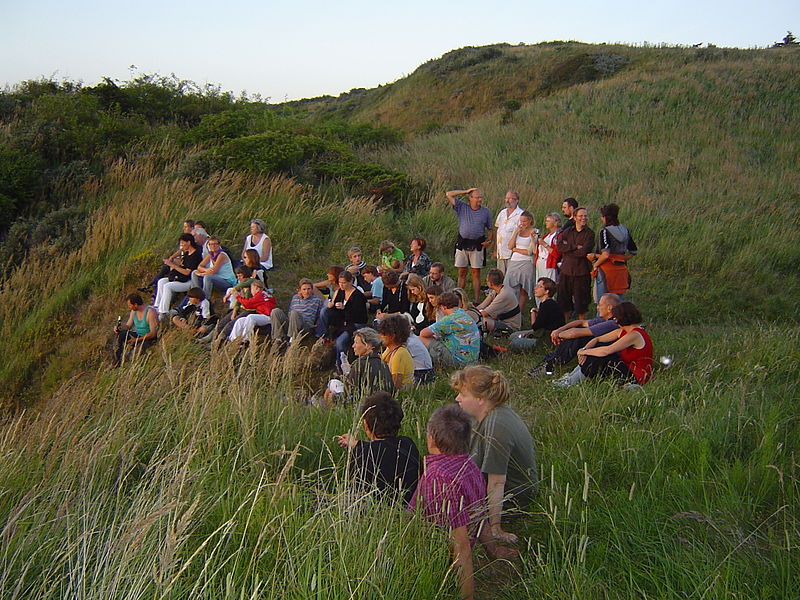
(521, 273)
(546, 259)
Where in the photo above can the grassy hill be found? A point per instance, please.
(197, 475)
(475, 81)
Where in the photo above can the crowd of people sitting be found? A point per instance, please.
(394, 323)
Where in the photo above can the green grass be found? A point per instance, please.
(186, 475)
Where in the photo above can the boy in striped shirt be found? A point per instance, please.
(452, 491)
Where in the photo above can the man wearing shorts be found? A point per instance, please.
(475, 233)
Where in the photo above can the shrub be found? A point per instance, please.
(267, 152)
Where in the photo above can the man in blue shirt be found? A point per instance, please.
(475, 234)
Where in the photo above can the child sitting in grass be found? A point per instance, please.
(197, 316)
(452, 491)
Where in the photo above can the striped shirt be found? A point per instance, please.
(452, 491)
(309, 308)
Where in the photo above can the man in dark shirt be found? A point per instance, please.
(573, 336)
(568, 208)
(574, 281)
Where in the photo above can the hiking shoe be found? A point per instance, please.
(537, 371)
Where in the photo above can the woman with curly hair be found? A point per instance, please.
(394, 331)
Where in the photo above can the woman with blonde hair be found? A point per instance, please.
(501, 444)
(418, 306)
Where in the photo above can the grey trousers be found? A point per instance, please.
(440, 355)
(290, 326)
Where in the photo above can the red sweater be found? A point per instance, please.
(262, 303)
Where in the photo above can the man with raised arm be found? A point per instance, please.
(475, 234)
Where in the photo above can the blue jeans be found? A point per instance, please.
(209, 282)
(343, 344)
(322, 322)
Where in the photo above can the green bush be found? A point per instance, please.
(268, 152)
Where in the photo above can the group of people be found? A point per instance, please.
(422, 317)
(480, 467)
(392, 323)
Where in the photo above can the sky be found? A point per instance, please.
(306, 48)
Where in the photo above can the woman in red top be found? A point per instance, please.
(629, 353)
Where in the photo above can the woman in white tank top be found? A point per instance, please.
(260, 242)
(521, 273)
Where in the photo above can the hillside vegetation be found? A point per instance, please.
(474, 81)
(188, 474)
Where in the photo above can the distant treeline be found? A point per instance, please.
(56, 136)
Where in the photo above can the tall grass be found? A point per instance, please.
(185, 474)
(183, 484)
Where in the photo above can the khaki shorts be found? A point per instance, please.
(469, 258)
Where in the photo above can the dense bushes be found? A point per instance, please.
(57, 135)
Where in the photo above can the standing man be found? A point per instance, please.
(475, 233)
(574, 282)
(506, 223)
(568, 208)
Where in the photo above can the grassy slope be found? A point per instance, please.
(175, 477)
(702, 160)
(471, 82)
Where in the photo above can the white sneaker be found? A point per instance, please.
(574, 377)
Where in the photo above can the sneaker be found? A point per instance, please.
(631, 386)
(206, 339)
(574, 377)
(538, 371)
(562, 382)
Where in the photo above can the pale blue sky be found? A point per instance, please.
(288, 50)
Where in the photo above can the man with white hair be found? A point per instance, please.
(573, 336)
(506, 223)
